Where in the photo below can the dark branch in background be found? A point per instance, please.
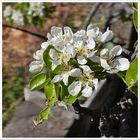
(133, 44)
(135, 51)
(24, 30)
(91, 14)
(112, 16)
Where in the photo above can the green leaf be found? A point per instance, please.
(46, 57)
(136, 20)
(58, 88)
(38, 81)
(43, 115)
(135, 5)
(71, 99)
(135, 15)
(73, 62)
(99, 72)
(132, 74)
(61, 91)
(134, 89)
(64, 92)
(28, 20)
(122, 74)
(58, 70)
(109, 45)
(50, 93)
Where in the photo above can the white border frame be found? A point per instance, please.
(0, 70)
(70, 1)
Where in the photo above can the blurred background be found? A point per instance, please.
(18, 48)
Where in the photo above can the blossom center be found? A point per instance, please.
(82, 50)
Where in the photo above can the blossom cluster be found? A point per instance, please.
(26, 12)
(36, 9)
(75, 55)
(16, 16)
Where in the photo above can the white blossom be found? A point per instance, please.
(63, 50)
(36, 9)
(96, 34)
(62, 57)
(59, 39)
(35, 66)
(7, 12)
(84, 46)
(86, 84)
(38, 64)
(107, 36)
(17, 18)
(75, 88)
(76, 72)
(111, 61)
(66, 47)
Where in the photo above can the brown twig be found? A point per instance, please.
(26, 31)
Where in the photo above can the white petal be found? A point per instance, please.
(95, 82)
(93, 33)
(54, 54)
(80, 36)
(7, 11)
(53, 66)
(38, 54)
(75, 72)
(55, 63)
(95, 58)
(115, 51)
(49, 36)
(58, 42)
(107, 36)
(35, 66)
(87, 91)
(90, 44)
(65, 57)
(57, 78)
(44, 45)
(78, 44)
(86, 68)
(56, 31)
(65, 78)
(90, 53)
(112, 71)
(81, 60)
(104, 53)
(122, 64)
(104, 64)
(74, 88)
(89, 27)
(68, 33)
(70, 50)
(81, 33)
